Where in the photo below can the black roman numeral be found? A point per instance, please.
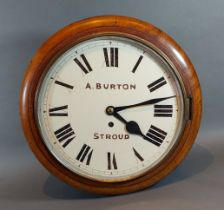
(87, 68)
(137, 64)
(157, 84)
(155, 135)
(65, 134)
(137, 154)
(64, 84)
(62, 109)
(163, 110)
(85, 154)
(112, 60)
(111, 161)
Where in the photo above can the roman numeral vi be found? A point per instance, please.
(111, 161)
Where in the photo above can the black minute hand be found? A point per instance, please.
(148, 102)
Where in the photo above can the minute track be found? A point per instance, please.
(98, 151)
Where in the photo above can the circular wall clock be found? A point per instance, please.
(110, 104)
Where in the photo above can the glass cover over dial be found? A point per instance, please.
(110, 109)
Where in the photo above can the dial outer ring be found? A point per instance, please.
(96, 27)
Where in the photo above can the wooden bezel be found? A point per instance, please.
(103, 26)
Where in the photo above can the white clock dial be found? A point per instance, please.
(90, 113)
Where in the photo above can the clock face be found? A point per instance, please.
(110, 109)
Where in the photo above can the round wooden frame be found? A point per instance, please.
(103, 26)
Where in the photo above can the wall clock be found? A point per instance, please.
(110, 104)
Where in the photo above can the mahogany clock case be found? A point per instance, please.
(107, 26)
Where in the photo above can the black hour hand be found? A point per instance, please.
(132, 127)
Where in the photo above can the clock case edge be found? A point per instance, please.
(107, 26)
